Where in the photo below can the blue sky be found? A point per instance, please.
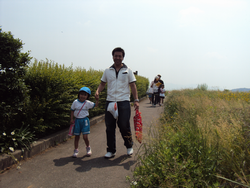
(188, 42)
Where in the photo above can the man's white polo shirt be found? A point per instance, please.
(118, 83)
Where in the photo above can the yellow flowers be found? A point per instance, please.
(244, 96)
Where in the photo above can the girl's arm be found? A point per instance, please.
(96, 103)
(72, 117)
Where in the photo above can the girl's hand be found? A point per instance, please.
(71, 121)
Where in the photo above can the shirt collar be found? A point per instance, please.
(113, 66)
(80, 101)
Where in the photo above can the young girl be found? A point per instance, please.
(162, 94)
(155, 84)
(79, 110)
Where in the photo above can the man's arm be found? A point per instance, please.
(99, 90)
(135, 95)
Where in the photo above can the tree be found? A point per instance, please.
(202, 87)
(13, 90)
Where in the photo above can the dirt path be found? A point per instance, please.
(56, 168)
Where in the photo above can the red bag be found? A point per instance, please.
(71, 129)
(138, 126)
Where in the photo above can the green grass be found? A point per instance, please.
(203, 140)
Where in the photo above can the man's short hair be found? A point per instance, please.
(159, 75)
(118, 49)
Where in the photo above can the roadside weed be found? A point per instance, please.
(202, 141)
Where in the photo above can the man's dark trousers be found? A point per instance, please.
(123, 122)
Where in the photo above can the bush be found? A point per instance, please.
(53, 88)
(91, 79)
(142, 84)
(13, 90)
(51, 93)
(14, 98)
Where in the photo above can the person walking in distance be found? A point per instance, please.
(160, 82)
(162, 94)
(119, 77)
(79, 110)
(154, 84)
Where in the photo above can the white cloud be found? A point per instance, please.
(151, 50)
(191, 11)
(223, 3)
(191, 16)
(87, 23)
(214, 55)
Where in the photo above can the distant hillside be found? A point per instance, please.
(241, 90)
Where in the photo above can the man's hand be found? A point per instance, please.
(97, 95)
(99, 89)
(136, 105)
(135, 95)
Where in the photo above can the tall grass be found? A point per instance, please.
(203, 140)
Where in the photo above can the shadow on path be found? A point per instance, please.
(99, 162)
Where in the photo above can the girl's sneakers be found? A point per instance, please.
(75, 153)
(89, 152)
(88, 149)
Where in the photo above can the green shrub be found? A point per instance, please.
(142, 84)
(13, 91)
(53, 88)
(91, 79)
(51, 91)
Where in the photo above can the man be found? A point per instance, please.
(118, 77)
(160, 79)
